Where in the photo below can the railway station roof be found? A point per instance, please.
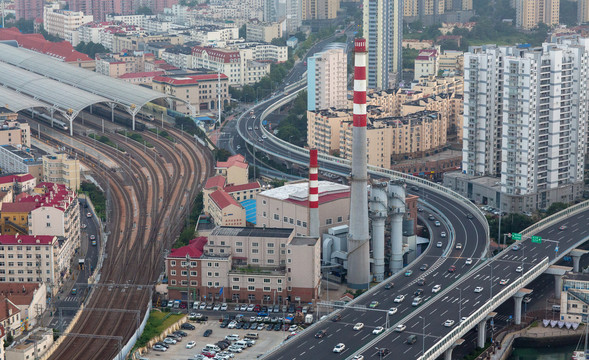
(15, 101)
(50, 91)
(112, 89)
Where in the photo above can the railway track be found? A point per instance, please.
(164, 188)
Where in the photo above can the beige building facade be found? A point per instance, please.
(235, 170)
(320, 9)
(61, 169)
(33, 346)
(64, 23)
(263, 32)
(12, 131)
(530, 13)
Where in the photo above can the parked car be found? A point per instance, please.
(207, 333)
(169, 341)
(159, 348)
(191, 344)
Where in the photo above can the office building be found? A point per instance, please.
(17, 161)
(530, 13)
(327, 79)
(383, 30)
(525, 120)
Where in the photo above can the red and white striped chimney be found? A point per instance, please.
(313, 194)
(359, 236)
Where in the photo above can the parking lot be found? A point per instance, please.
(266, 341)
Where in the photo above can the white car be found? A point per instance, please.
(437, 223)
(478, 289)
(439, 244)
(232, 325)
(169, 341)
(503, 281)
(235, 349)
(217, 307)
(243, 308)
(159, 348)
(436, 288)
(358, 326)
(251, 307)
(519, 269)
(392, 311)
(399, 298)
(463, 318)
(339, 348)
(377, 330)
(469, 261)
(203, 306)
(191, 344)
(458, 246)
(449, 323)
(89, 215)
(232, 337)
(294, 328)
(400, 328)
(443, 234)
(358, 357)
(84, 226)
(224, 307)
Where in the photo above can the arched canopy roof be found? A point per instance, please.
(114, 90)
(16, 101)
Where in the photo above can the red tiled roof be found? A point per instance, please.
(26, 239)
(15, 178)
(7, 309)
(187, 79)
(19, 293)
(216, 181)
(36, 42)
(325, 198)
(235, 160)
(46, 194)
(141, 74)
(194, 249)
(222, 199)
(224, 56)
(18, 207)
(248, 186)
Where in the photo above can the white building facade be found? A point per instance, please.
(327, 79)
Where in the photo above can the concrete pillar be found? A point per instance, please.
(557, 285)
(448, 353)
(576, 260)
(482, 333)
(517, 312)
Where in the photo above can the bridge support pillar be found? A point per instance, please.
(557, 285)
(517, 311)
(482, 333)
(448, 353)
(576, 260)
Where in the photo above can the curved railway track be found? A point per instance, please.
(163, 188)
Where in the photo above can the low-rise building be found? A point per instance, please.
(10, 318)
(33, 346)
(18, 183)
(16, 161)
(235, 170)
(12, 131)
(61, 169)
(263, 32)
(426, 63)
(139, 78)
(574, 299)
(225, 210)
(30, 298)
(116, 65)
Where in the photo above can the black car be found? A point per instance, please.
(269, 327)
(277, 327)
(223, 345)
(469, 216)
(336, 317)
(207, 333)
(320, 334)
(383, 351)
(253, 326)
(418, 292)
(423, 267)
(291, 308)
(414, 188)
(239, 325)
(224, 324)
(187, 326)
(164, 303)
(162, 344)
(389, 286)
(421, 282)
(181, 333)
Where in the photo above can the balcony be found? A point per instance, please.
(256, 270)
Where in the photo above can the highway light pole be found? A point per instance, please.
(460, 306)
(423, 339)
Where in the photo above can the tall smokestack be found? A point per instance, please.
(358, 237)
(313, 194)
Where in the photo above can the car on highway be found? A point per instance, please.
(191, 344)
(382, 352)
(562, 227)
(373, 304)
(417, 301)
(339, 348)
(515, 248)
(377, 330)
(321, 334)
(431, 217)
(207, 333)
(423, 267)
(437, 223)
(359, 326)
(159, 348)
(458, 246)
(89, 215)
(92, 237)
(389, 286)
(93, 242)
(449, 323)
(452, 268)
(418, 292)
(478, 289)
(84, 226)
(443, 234)
(436, 288)
(503, 281)
(392, 311)
(519, 269)
(469, 216)
(468, 261)
(400, 328)
(358, 357)
(439, 244)
(463, 318)
(249, 128)
(414, 188)
(421, 282)
(264, 137)
(408, 272)
(399, 298)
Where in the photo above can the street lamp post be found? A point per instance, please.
(423, 333)
(460, 306)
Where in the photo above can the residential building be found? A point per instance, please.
(293, 14)
(29, 9)
(13, 132)
(10, 318)
(225, 210)
(18, 183)
(200, 92)
(235, 170)
(64, 23)
(33, 346)
(13, 160)
(263, 32)
(426, 63)
(292, 42)
(383, 30)
(287, 206)
(30, 298)
(320, 9)
(458, 5)
(141, 42)
(530, 13)
(517, 123)
(116, 65)
(212, 34)
(130, 19)
(417, 44)
(582, 11)
(451, 61)
(61, 169)
(422, 8)
(139, 78)
(574, 299)
(327, 79)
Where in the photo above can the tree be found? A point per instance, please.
(50, 37)
(556, 207)
(144, 10)
(25, 26)
(91, 49)
(221, 154)
(409, 56)
(243, 31)
(9, 17)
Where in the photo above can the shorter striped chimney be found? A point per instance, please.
(313, 194)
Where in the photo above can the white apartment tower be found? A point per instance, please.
(327, 78)
(525, 113)
(383, 31)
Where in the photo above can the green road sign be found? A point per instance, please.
(516, 236)
(537, 239)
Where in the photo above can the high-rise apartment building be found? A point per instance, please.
(320, 9)
(422, 8)
(383, 30)
(525, 118)
(327, 78)
(28, 9)
(451, 5)
(529, 13)
(64, 23)
(582, 11)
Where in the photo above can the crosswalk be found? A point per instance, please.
(70, 299)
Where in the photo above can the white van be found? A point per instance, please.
(252, 335)
(242, 344)
(211, 347)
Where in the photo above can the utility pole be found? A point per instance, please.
(219, 95)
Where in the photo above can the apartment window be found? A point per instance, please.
(276, 217)
(238, 250)
(236, 279)
(235, 287)
(173, 272)
(210, 283)
(264, 214)
(304, 224)
(173, 282)
(266, 288)
(328, 221)
(340, 219)
(251, 288)
(184, 272)
(238, 243)
(255, 260)
(267, 281)
(216, 274)
(285, 219)
(255, 244)
(270, 245)
(280, 281)
(291, 220)
(270, 252)
(251, 280)
(254, 251)
(298, 222)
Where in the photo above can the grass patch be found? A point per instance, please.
(156, 324)
(105, 140)
(136, 137)
(96, 196)
(162, 133)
